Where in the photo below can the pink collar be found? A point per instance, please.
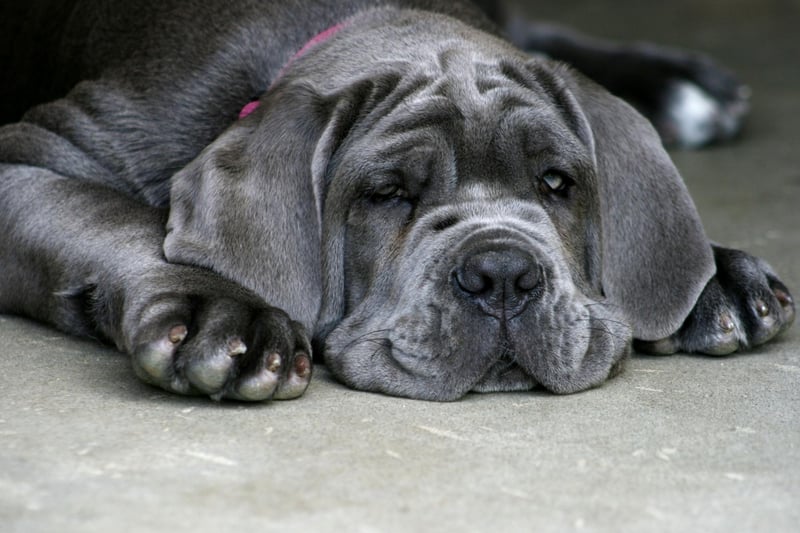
(321, 37)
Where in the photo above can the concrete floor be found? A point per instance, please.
(679, 443)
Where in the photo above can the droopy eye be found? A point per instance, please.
(388, 192)
(553, 182)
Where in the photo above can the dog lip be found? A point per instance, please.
(508, 379)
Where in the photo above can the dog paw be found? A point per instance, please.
(743, 306)
(691, 117)
(223, 348)
(691, 100)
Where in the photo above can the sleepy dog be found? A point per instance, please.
(429, 196)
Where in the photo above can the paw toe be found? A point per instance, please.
(723, 337)
(209, 374)
(786, 306)
(261, 382)
(667, 346)
(276, 378)
(297, 380)
(256, 387)
(768, 312)
(153, 361)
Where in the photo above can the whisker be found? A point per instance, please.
(366, 339)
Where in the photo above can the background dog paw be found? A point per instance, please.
(223, 347)
(691, 100)
(744, 305)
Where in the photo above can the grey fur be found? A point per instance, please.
(389, 199)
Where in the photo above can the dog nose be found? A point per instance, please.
(500, 282)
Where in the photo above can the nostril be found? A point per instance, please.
(529, 280)
(472, 281)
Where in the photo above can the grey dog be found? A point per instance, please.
(425, 193)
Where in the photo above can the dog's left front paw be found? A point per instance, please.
(744, 305)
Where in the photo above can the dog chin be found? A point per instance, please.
(505, 376)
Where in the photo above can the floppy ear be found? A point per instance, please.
(656, 256)
(249, 206)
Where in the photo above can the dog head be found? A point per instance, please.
(447, 213)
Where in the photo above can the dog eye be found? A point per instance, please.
(553, 182)
(388, 192)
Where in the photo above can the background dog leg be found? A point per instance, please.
(690, 99)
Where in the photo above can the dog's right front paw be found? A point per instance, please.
(223, 348)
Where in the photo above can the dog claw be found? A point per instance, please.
(787, 305)
(236, 347)
(274, 363)
(178, 334)
(783, 298)
(726, 323)
(302, 366)
(298, 380)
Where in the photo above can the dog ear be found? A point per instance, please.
(249, 206)
(656, 258)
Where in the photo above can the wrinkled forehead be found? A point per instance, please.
(480, 108)
(486, 96)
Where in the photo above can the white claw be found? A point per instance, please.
(237, 347)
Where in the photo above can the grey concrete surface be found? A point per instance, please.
(680, 443)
